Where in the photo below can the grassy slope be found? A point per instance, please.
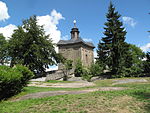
(134, 100)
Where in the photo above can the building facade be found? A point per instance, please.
(76, 48)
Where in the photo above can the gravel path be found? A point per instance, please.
(62, 85)
(74, 85)
(128, 81)
(54, 93)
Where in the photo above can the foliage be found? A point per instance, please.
(133, 56)
(30, 47)
(133, 71)
(3, 50)
(96, 69)
(121, 58)
(67, 67)
(86, 75)
(147, 63)
(78, 68)
(92, 71)
(132, 62)
(27, 74)
(111, 47)
(68, 64)
(12, 80)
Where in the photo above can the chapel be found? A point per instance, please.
(76, 48)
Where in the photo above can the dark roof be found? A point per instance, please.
(74, 41)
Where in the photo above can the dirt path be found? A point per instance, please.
(73, 85)
(54, 93)
(62, 85)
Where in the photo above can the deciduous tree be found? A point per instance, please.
(3, 50)
(30, 46)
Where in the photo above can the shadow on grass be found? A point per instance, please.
(145, 97)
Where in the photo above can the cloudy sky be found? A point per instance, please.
(57, 17)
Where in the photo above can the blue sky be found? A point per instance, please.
(58, 16)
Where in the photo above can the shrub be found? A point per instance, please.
(27, 74)
(78, 68)
(86, 75)
(96, 69)
(92, 71)
(133, 71)
(12, 80)
(67, 68)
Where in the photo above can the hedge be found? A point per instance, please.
(12, 80)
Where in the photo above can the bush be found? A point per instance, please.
(96, 69)
(133, 71)
(78, 68)
(92, 71)
(86, 75)
(146, 67)
(67, 68)
(12, 80)
(27, 74)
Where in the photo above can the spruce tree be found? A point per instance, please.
(111, 47)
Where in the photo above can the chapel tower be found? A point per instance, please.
(76, 48)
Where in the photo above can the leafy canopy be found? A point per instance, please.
(3, 50)
(30, 46)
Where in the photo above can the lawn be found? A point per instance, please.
(135, 99)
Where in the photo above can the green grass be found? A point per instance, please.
(32, 89)
(136, 99)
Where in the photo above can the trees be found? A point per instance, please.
(3, 50)
(133, 64)
(67, 67)
(147, 63)
(92, 71)
(111, 47)
(30, 46)
(96, 70)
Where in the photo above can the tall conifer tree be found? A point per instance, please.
(111, 47)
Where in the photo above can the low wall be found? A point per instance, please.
(57, 75)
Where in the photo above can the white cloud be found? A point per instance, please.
(146, 47)
(130, 21)
(50, 23)
(3, 11)
(87, 39)
(7, 31)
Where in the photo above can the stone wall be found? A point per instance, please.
(71, 52)
(54, 76)
(87, 56)
(57, 75)
(77, 51)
